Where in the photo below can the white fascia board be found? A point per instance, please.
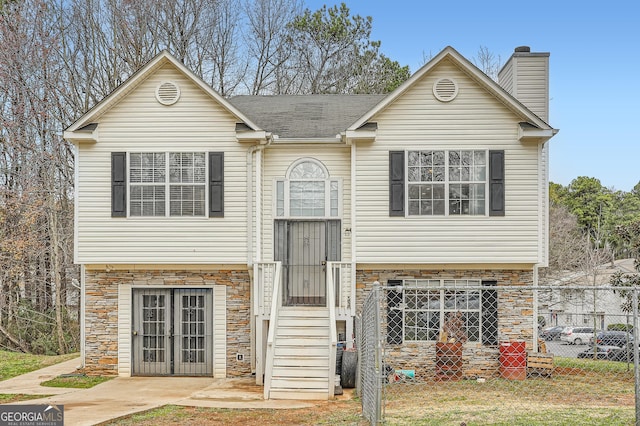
(351, 136)
(309, 141)
(80, 136)
(252, 136)
(532, 134)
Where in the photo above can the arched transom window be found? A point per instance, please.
(307, 191)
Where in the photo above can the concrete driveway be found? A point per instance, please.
(123, 396)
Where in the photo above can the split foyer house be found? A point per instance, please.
(230, 237)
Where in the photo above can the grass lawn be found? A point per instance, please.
(8, 398)
(579, 391)
(13, 364)
(78, 381)
(342, 412)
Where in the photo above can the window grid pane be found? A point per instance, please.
(307, 170)
(187, 200)
(307, 198)
(187, 167)
(334, 198)
(280, 198)
(146, 167)
(147, 200)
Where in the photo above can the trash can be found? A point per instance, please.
(513, 360)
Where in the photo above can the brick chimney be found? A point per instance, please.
(526, 77)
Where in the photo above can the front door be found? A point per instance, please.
(172, 332)
(304, 247)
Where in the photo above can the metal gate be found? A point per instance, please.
(172, 332)
(304, 247)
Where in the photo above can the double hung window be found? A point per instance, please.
(447, 182)
(167, 184)
(427, 303)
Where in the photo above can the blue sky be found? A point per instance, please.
(594, 67)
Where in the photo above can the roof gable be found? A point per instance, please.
(449, 53)
(163, 58)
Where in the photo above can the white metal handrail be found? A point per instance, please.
(341, 274)
(333, 334)
(275, 305)
(264, 281)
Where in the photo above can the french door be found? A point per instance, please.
(172, 332)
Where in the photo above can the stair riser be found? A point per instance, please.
(301, 362)
(300, 352)
(301, 373)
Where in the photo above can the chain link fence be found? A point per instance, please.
(450, 352)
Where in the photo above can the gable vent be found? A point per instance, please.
(445, 89)
(168, 93)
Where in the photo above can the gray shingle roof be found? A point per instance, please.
(305, 116)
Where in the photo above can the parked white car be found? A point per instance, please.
(577, 335)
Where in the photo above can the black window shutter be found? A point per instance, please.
(489, 313)
(496, 183)
(396, 183)
(118, 184)
(216, 184)
(394, 313)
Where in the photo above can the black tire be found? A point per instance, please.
(578, 341)
(339, 352)
(349, 367)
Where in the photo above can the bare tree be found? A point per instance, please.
(488, 62)
(267, 43)
(59, 58)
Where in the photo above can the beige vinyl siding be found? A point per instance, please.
(220, 331)
(140, 124)
(532, 84)
(124, 330)
(276, 161)
(474, 120)
(505, 77)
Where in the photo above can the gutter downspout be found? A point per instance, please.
(250, 212)
(354, 249)
(250, 151)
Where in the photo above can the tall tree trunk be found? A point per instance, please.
(56, 275)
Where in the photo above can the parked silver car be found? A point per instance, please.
(577, 335)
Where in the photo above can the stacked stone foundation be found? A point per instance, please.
(101, 312)
(515, 319)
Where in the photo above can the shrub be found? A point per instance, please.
(620, 327)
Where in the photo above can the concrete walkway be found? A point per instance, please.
(123, 396)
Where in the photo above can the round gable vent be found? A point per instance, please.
(445, 89)
(168, 93)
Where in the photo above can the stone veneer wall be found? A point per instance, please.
(101, 312)
(515, 319)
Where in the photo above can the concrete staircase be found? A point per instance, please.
(300, 367)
